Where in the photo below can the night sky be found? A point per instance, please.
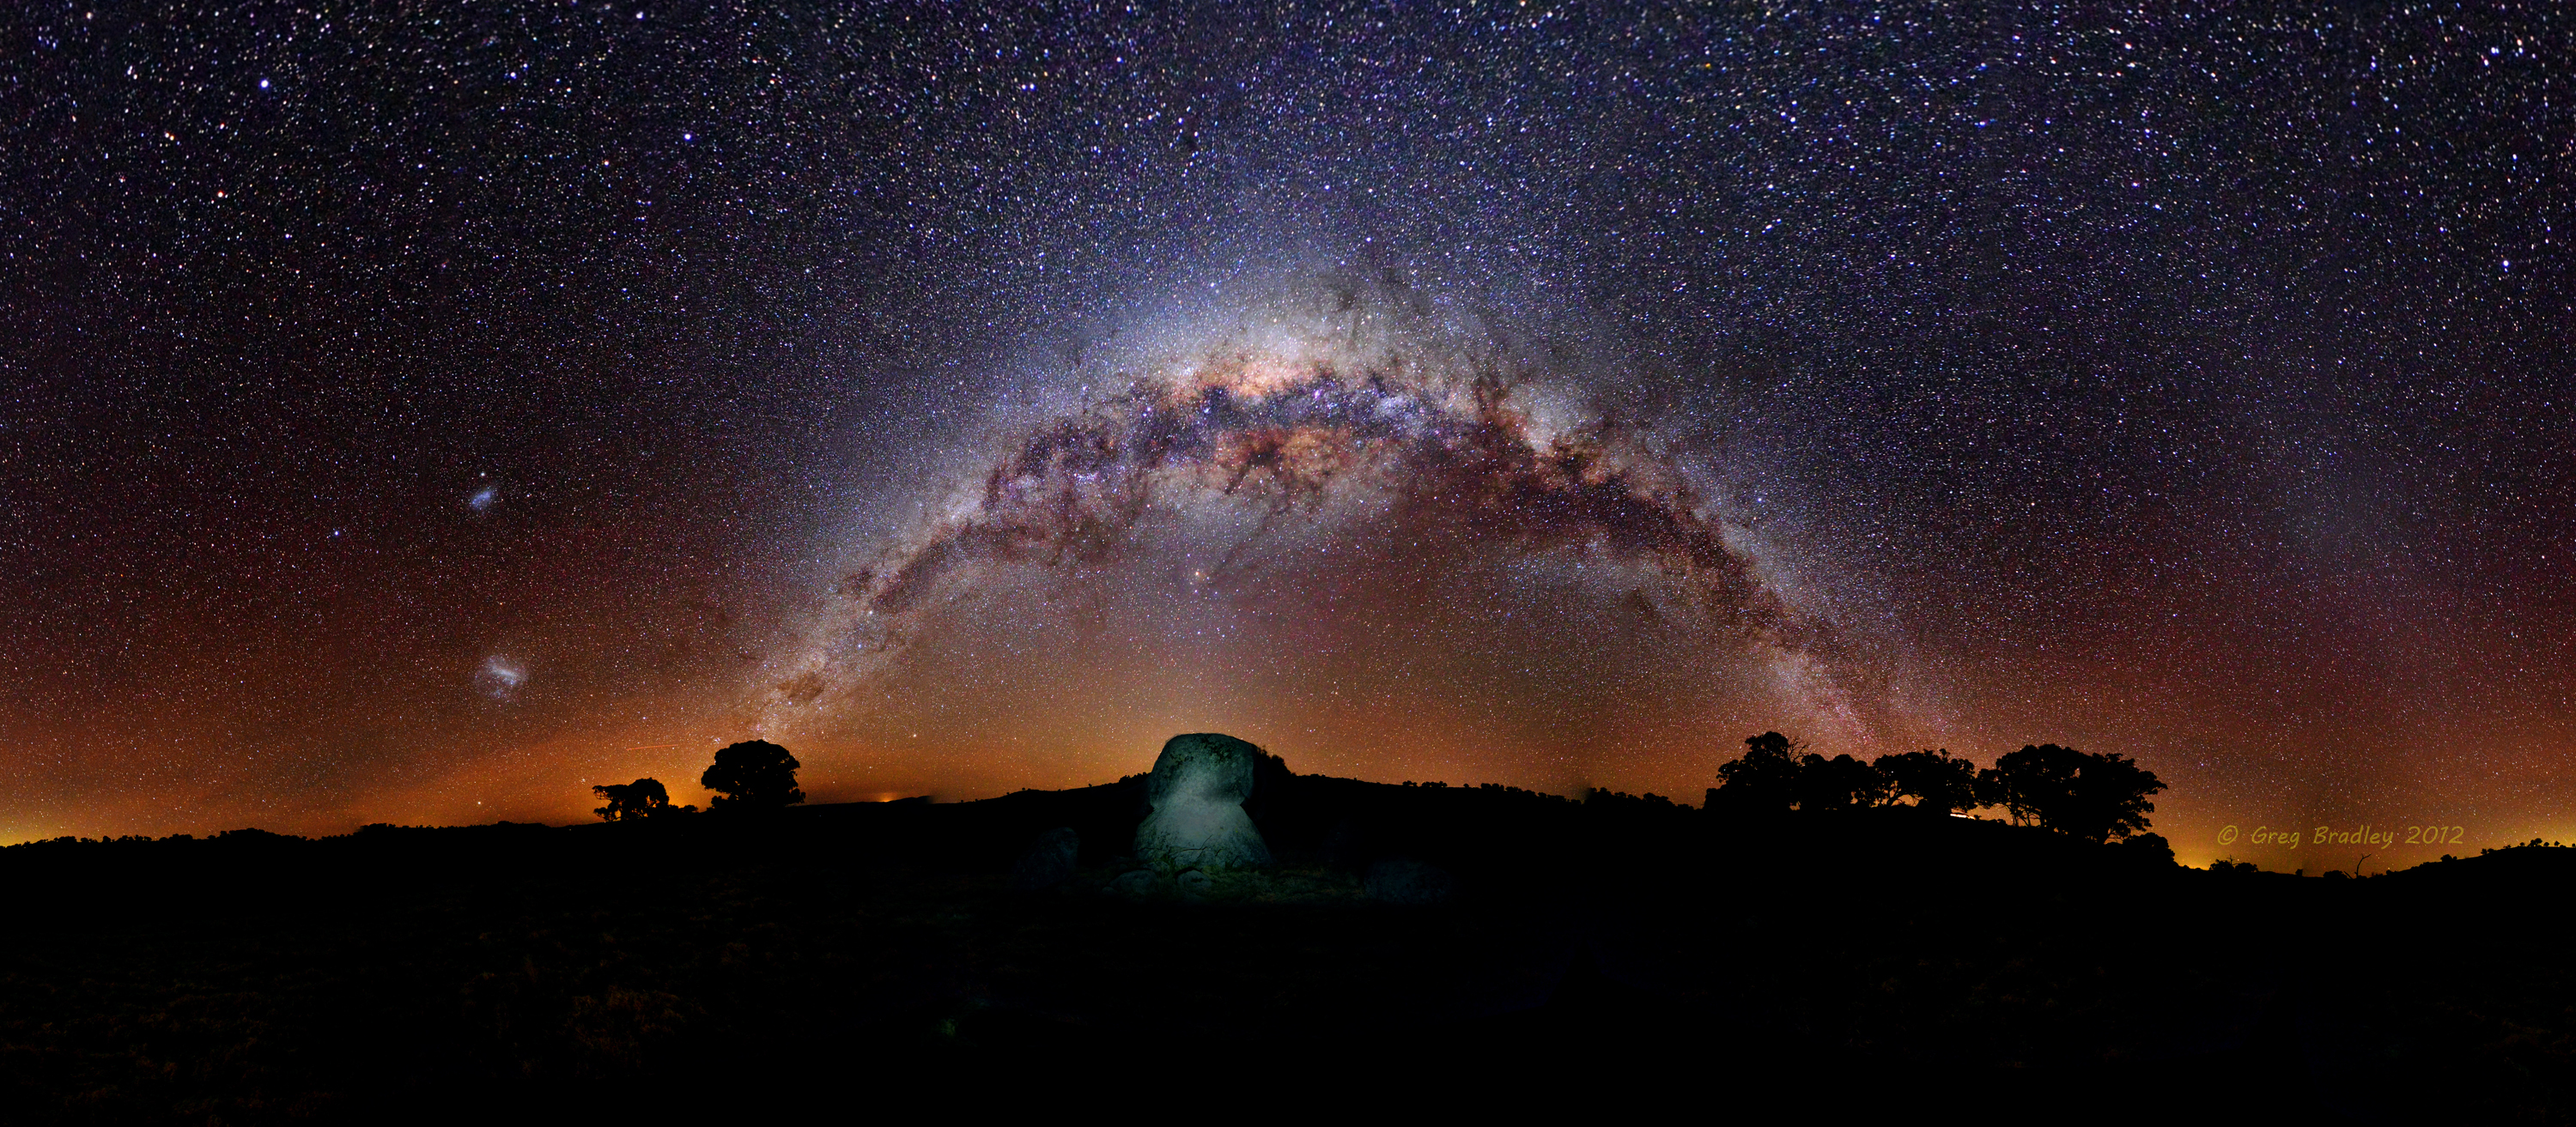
(419, 413)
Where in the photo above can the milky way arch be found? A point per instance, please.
(1457, 449)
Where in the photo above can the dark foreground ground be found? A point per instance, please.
(848, 960)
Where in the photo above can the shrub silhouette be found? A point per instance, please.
(643, 798)
(2148, 851)
(753, 775)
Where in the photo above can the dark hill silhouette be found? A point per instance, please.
(1842, 956)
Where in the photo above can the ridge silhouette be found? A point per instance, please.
(1846, 958)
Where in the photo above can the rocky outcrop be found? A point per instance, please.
(1196, 794)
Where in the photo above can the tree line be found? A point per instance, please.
(751, 775)
(2083, 795)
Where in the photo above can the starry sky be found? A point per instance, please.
(419, 413)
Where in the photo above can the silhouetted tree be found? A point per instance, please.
(1839, 783)
(2026, 781)
(1771, 778)
(1764, 781)
(1937, 782)
(2112, 794)
(2093, 797)
(753, 775)
(643, 798)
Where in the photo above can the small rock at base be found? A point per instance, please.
(1136, 885)
(1196, 885)
(1049, 862)
(1403, 880)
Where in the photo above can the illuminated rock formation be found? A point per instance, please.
(1197, 791)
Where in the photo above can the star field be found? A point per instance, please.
(409, 408)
